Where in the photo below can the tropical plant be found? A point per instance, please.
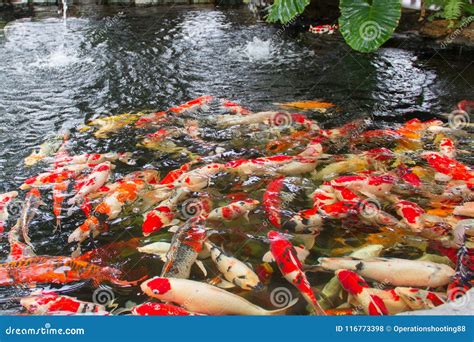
(451, 9)
(366, 25)
(285, 10)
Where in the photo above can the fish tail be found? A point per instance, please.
(283, 310)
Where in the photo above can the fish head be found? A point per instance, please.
(156, 287)
(351, 281)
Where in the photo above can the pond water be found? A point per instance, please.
(106, 61)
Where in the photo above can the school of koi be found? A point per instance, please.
(391, 182)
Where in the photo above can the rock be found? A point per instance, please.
(461, 306)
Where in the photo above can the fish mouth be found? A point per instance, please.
(258, 288)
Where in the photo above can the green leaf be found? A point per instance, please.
(366, 26)
(284, 10)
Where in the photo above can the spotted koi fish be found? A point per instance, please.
(234, 210)
(92, 159)
(98, 177)
(203, 298)
(397, 272)
(418, 299)
(272, 201)
(291, 268)
(162, 215)
(234, 108)
(234, 270)
(279, 164)
(52, 303)
(159, 309)
(5, 200)
(448, 166)
(351, 282)
(186, 245)
(412, 215)
(57, 270)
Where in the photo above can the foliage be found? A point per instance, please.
(366, 26)
(451, 9)
(285, 10)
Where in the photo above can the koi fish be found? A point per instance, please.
(412, 214)
(48, 179)
(234, 270)
(320, 29)
(52, 303)
(59, 192)
(98, 177)
(418, 299)
(392, 301)
(186, 245)
(234, 108)
(234, 210)
(192, 104)
(159, 309)
(91, 227)
(351, 282)
(291, 268)
(204, 298)
(280, 164)
(32, 202)
(319, 106)
(93, 159)
(57, 270)
(367, 185)
(47, 149)
(272, 201)
(199, 178)
(447, 148)
(448, 166)
(397, 272)
(162, 215)
(305, 221)
(466, 209)
(5, 200)
(224, 121)
(111, 124)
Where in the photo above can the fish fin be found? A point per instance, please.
(313, 268)
(268, 257)
(200, 264)
(173, 229)
(221, 283)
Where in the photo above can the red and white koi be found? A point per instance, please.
(92, 159)
(5, 200)
(397, 272)
(357, 287)
(162, 215)
(412, 214)
(291, 268)
(321, 29)
(234, 108)
(447, 148)
(272, 201)
(449, 166)
(278, 164)
(204, 298)
(159, 309)
(99, 176)
(370, 186)
(191, 105)
(418, 299)
(234, 210)
(52, 303)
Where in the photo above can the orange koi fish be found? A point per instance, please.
(57, 270)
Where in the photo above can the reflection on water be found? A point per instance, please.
(109, 62)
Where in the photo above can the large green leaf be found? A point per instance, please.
(285, 10)
(366, 25)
